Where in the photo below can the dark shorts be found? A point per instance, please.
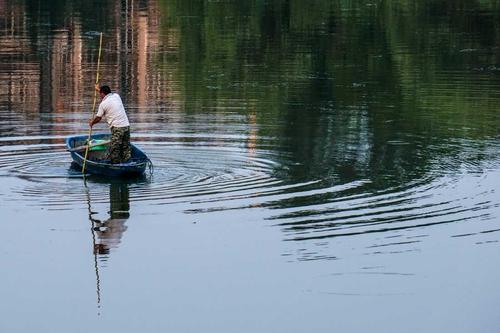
(119, 149)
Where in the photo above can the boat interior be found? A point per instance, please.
(97, 153)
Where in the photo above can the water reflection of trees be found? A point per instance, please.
(363, 88)
(352, 90)
(48, 52)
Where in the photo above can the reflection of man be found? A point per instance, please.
(111, 109)
(110, 232)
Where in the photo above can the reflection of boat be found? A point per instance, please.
(96, 164)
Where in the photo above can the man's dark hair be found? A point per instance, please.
(105, 90)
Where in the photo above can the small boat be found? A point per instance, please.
(96, 163)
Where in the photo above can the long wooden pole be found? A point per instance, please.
(93, 106)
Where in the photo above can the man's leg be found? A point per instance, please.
(114, 146)
(126, 151)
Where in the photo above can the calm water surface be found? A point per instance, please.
(325, 166)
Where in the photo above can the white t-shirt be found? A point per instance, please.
(111, 108)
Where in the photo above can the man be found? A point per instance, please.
(112, 110)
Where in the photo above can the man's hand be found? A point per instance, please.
(97, 87)
(94, 121)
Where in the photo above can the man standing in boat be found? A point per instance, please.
(112, 110)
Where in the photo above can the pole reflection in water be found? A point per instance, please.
(107, 234)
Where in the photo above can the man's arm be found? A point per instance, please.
(94, 120)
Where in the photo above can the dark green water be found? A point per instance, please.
(319, 166)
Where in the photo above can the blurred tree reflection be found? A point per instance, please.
(351, 89)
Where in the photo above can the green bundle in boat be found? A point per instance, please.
(98, 144)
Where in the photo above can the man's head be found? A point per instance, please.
(104, 91)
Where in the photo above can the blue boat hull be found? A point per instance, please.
(132, 168)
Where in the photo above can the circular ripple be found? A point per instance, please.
(183, 172)
(213, 176)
